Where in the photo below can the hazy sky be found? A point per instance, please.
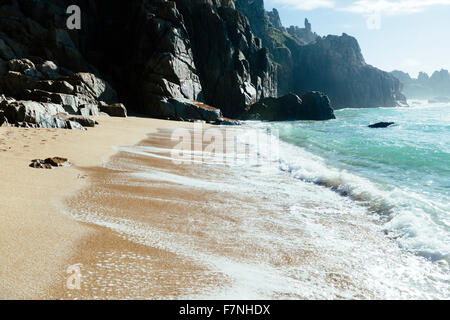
(409, 35)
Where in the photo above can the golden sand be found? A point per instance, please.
(37, 241)
(142, 226)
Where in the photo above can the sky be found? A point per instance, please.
(407, 35)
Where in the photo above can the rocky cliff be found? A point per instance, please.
(331, 64)
(160, 56)
(173, 59)
(435, 88)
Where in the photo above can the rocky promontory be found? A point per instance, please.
(206, 60)
(331, 64)
(311, 106)
(435, 88)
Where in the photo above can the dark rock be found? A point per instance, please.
(30, 111)
(68, 101)
(193, 110)
(3, 69)
(303, 35)
(49, 70)
(5, 51)
(101, 89)
(49, 163)
(85, 122)
(227, 122)
(435, 88)
(317, 106)
(40, 164)
(235, 70)
(3, 120)
(331, 64)
(74, 125)
(15, 83)
(114, 110)
(290, 107)
(21, 65)
(177, 109)
(57, 161)
(82, 120)
(55, 86)
(162, 56)
(381, 124)
(89, 110)
(37, 115)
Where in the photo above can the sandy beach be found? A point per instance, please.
(139, 225)
(37, 240)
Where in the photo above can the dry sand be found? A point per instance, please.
(37, 241)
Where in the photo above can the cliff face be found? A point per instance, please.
(335, 65)
(164, 58)
(156, 53)
(331, 64)
(234, 68)
(201, 50)
(424, 86)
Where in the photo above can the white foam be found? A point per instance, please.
(404, 209)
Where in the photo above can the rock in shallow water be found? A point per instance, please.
(381, 125)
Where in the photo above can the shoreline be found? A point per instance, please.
(37, 240)
(140, 226)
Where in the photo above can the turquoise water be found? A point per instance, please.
(401, 173)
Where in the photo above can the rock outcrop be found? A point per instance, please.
(153, 52)
(114, 110)
(32, 114)
(381, 125)
(171, 58)
(49, 163)
(312, 106)
(435, 88)
(234, 68)
(331, 64)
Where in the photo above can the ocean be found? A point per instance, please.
(401, 173)
(323, 210)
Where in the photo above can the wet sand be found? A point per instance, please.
(37, 241)
(185, 231)
(207, 228)
(140, 225)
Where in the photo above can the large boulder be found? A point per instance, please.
(381, 125)
(30, 111)
(49, 70)
(89, 110)
(312, 106)
(316, 106)
(15, 83)
(179, 109)
(60, 86)
(114, 110)
(32, 114)
(68, 101)
(101, 89)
